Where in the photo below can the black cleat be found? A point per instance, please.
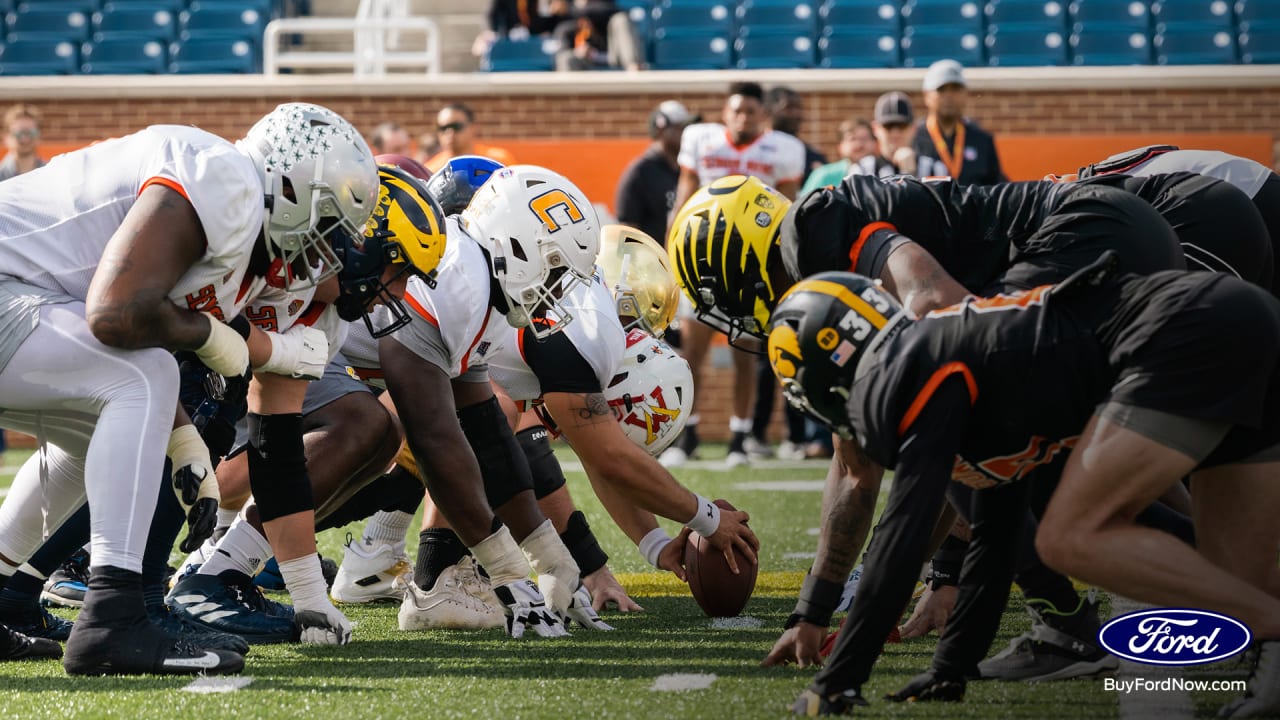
(16, 646)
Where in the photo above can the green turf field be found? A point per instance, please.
(385, 673)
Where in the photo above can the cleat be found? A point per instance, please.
(231, 603)
(756, 449)
(68, 584)
(736, 459)
(790, 451)
(811, 704)
(37, 622)
(269, 578)
(460, 599)
(17, 646)
(371, 573)
(673, 457)
(194, 633)
(1048, 653)
(1262, 694)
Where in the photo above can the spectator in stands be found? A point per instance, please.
(647, 189)
(857, 141)
(391, 139)
(947, 143)
(22, 133)
(895, 130)
(454, 125)
(600, 35)
(786, 111)
(520, 19)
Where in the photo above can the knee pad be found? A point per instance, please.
(548, 476)
(278, 466)
(582, 544)
(502, 463)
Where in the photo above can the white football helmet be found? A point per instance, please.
(319, 177)
(636, 272)
(652, 393)
(542, 236)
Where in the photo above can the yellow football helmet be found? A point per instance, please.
(725, 253)
(636, 272)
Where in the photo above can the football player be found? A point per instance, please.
(187, 221)
(1118, 387)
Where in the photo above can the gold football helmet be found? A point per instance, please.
(636, 272)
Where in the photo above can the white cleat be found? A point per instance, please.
(370, 573)
(460, 599)
(673, 457)
(737, 459)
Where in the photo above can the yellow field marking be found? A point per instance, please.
(654, 584)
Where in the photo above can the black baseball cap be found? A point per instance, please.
(894, 108)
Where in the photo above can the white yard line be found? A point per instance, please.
(207, 685)
(679, 682)
(1163, 704)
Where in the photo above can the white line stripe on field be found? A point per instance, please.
(206, 685)
(782, 485)
(682, 681)
(1166, 705)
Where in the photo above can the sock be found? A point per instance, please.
(438, 548)
(226, 517)
(243, 548)
(153, 594)
(740, 428)
(21, 592)
(388, 527)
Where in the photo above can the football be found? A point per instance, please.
(715, 588)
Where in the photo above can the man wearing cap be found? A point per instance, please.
(894, 132)
(647, 189)
(948, 144)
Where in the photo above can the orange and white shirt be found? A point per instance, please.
(773, 157)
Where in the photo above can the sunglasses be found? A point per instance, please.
(25, 134)
(454, 126)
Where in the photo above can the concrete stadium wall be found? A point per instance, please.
(589, 125)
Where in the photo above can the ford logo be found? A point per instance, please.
(1174, 636)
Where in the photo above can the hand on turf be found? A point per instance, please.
(672, 556)
(605, 589)
(799, 645)
(320, 625)
(525, 607)
(581, 611)
(930, 687)
(931, 612)
(733, 532)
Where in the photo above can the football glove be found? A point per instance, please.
(299, 352)
(224, 351)
(583, 612)
(930, 686)
(316, 621)
(558, 573)
(194, 483)
(811, 704)
(526, 608)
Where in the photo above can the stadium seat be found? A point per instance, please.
(87, 7)
(1025, 47)
(52, 24)
(173, 6)
(868, 16)
(757, 17)
(38, 57)
(1256, 14)
(690, 52)
(1110, 46)
(133, 22)
(262, 7)
(1212, 15)
(922, 46)
(218, 55)
(1206, 46)
(1260, 46)
(215, 21)
(129, 56)
(852, 48)
(693, 20)
(966, 14)
(774, 51)
(1110, 14)
(532, 55)
(1020, 15)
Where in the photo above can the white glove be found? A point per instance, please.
(224, 351)
(194, 483)
(299, 352)
(558, 574)
(583, 612)
(509, 571)
(315, 619)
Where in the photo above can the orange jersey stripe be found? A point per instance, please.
(922, 398)
(867, 231)
(171, 184)
(417, 306)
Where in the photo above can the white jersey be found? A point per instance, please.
(595, 333)
(276, 310)
(1248, 176)
(773, 157)
(55, 221)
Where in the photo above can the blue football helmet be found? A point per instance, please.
(459, 179)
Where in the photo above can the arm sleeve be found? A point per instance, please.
(900, 542)
(558, 364)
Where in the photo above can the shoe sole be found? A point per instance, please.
(1096, 668)
(366, 599)
(49, 598)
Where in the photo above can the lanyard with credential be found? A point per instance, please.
(953, 161)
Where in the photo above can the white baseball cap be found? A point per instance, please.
(944, 72)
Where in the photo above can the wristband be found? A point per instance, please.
(947, 562)
(652, 545)
(706, 520)
(818, 600)
(241, 325)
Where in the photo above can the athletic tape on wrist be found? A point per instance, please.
(706, 520)
(652, 545)
(501, 557)
(818, 600)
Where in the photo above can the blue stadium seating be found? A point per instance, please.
(691, 52)
(1025, 47)
(88, 7)
(221, 21)
(262, 7)
(966, 14)
(38, 57)
(693, 19)
(852, 48)
(774, 51)
(1110, 14)
(761, 17)
(1207, 46)
(1110, 46)
(1257, 14)
(48, 24)
(1191, 14)
(217, 55)
(1261, 45)
(1019, 15)
(532, 55)
(129, 56)
(922, 46)
(173, 6)
(870, 16)
(137, 23)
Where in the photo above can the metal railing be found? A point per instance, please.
(376, 40)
